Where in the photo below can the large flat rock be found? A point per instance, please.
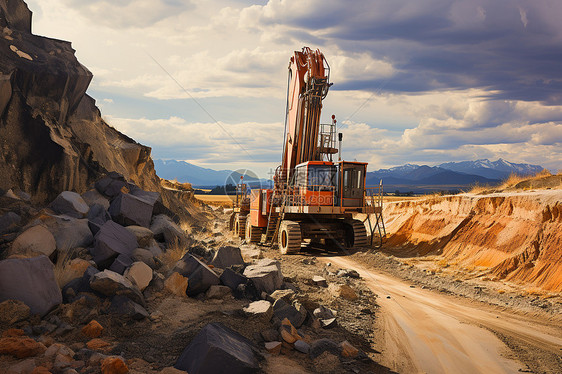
(127, 210)
(31, 280)
(266, 275)
(218, 349)
(111, 241)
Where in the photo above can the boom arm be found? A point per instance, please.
(308, 86)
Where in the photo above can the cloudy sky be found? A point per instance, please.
(414, 81)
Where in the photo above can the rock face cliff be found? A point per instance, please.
(514, 236)
(52, 136)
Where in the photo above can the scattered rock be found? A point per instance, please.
(165, 229)
(21, 347)
(176, 284)
(71, 204)
(31, 280)
(114, 365)
(144, 255)
(347, 350)
(12, 311)
(97, 344)
(260, 309)
(302, 346)
(296, 314)
(320, 346)
(343, 290)
(232, 279)
(140, 274)
(36, 240)
(56, 349)
(350, 273)
(218, 292)
(171, 370)
(92, 329)
(121, 263)
(97, 217)
(110, 283)
(93, 197)
(215, 348)
(144, 235)
(112, 240)
(74, 269)
(288, 332)
(287, 295)
(270, 335)
(22, 367)
(200, 276)
(124, 306)
(75, 286)
(41, 370)
(324, 313)
(266, 275)
(111, 185)
(319, 281)
(127, 210)
(273, 347)
(69, 232)
(227, 256)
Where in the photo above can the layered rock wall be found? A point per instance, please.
(516, 236)
(52, 136)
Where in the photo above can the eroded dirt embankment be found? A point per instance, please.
(514, 236)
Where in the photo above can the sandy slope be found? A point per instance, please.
(425, 331)
(514, 236)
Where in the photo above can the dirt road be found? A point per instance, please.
(428, 332)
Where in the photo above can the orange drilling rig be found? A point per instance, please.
(314, 196)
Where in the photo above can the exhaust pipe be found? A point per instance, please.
(340, 138)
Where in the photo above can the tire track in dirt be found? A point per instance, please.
(425, 331)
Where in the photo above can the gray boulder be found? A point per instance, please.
(144, 255)
(148, 196)
(324, 345)
(260, 309)
(97, 216)
(266, 275)
(232, 279)
(121, 263)
(71, 204)
(295, 314)
(128, 210)
(200, 276)
(165, 229)
(218, 349)
(93, 197)
(111, 185)
(227, 256)
(144, 236)
(36, 240)
(124, 306)
(31, 280)
(69, 232)
(111, 241)
(110, 283)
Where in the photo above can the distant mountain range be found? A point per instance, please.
(409, 177)
(448, 176)
(201, 177)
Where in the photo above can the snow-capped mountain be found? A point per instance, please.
(499, 169)
(450, 175)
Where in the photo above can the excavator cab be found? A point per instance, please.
(352, 187)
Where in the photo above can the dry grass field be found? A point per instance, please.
(216, 200)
